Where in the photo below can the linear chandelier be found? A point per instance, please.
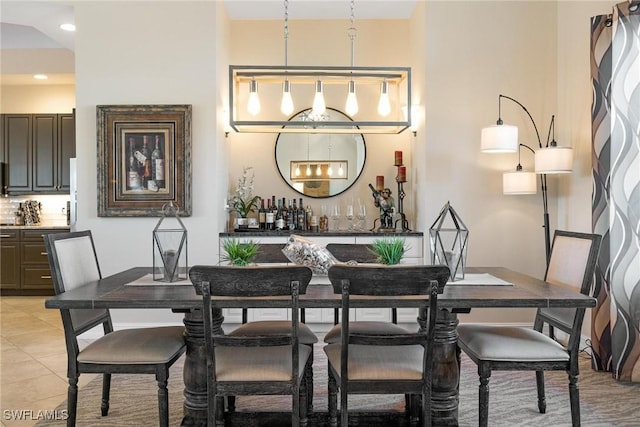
(263, 98)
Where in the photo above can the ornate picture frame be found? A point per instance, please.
(144, 159)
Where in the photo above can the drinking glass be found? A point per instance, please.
(335, 217)
(361, 215)
(349, 214)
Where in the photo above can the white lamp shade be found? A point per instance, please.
(519, 182)
(499, 139)
(554, 160)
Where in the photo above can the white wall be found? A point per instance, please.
(37, 99)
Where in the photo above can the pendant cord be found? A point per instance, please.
(352, 31)
(286, 32)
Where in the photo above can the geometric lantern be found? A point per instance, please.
(449, 242)
(169, 246)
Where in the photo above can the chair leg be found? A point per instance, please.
(309, 379)
(231, 403)
(344, 409)
(483, 400)
(303, 405)
(542, 400)
(218, 412)
(72, 401)
(333, 400)
(106, 387)
(574, 399)
(414, 408)
(163, 402)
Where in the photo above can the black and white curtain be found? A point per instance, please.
(615, 73)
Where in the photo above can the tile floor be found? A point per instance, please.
(33, 360)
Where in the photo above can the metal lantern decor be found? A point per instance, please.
(169, 246)
(449, 242)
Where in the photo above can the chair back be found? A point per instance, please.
(352, 252)
(269, 253)
(394, 281)
(572, 264)
(74, 263)
(213, 282)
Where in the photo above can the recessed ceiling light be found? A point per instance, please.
(68, 27)
(40, 76)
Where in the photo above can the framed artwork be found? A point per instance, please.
(144, 159)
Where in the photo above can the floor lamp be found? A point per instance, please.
(549, 159)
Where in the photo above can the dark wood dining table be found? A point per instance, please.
(525, 291)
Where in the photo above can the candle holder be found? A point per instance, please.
(169, 247)
(401, 178)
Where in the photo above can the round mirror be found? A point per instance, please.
(320, 164)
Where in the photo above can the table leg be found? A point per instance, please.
(195, 367)
(446, 368)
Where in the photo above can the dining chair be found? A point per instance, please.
(272, 254)
(384, 363)
(254, 365)
(509, 348)
(74, 264)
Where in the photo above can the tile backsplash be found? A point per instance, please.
(53, 208)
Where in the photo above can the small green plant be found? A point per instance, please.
(389, 251)
(238, 253)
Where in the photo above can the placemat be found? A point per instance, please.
(480, 279)
(147, 280)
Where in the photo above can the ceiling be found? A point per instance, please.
(31, 41)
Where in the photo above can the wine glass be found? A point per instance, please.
(361, 215)
(335, 217)
(349, 214)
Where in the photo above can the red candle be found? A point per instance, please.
(402, 174)
(379, 183)
(398, 158)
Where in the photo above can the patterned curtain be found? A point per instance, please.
(615, 72)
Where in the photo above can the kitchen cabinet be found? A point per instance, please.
(414, 255)
(25, 265)
(37, 149)
(9, 259)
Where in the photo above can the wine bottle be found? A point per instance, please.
(285, 214)
(274, 211)
(302, 217)
(292, 215)
(270, 218)
(262, 216)
(280, 222)
(133, 179)
(157, 164)
(145, 156)
(309, 214)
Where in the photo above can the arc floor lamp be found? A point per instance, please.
(549, 159)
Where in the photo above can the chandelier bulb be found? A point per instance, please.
(351, 106)
(341, 170)
(286, 106)
(297, 170)
(253, 105)
(319, 106)
(330, 170)
(318, 170)
(384, 105)
(308, 170)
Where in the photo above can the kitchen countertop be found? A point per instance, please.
(29, 227)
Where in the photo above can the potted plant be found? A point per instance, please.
(242, 202)
(239, 253)
(389, 251)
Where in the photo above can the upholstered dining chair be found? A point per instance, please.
(262, 364)
(272, 254)
(572, 264)
(74, 263)
(370, 363)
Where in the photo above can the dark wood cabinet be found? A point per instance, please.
(25, 265)
(9, 259)
(37, 149)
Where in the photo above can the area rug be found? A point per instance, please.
(513, 402)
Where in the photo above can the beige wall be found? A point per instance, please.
(463, 54)
(37, 99)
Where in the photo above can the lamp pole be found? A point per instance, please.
(543, 180)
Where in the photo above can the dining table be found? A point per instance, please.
(504, 288)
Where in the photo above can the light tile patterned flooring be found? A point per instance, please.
(33, 361)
